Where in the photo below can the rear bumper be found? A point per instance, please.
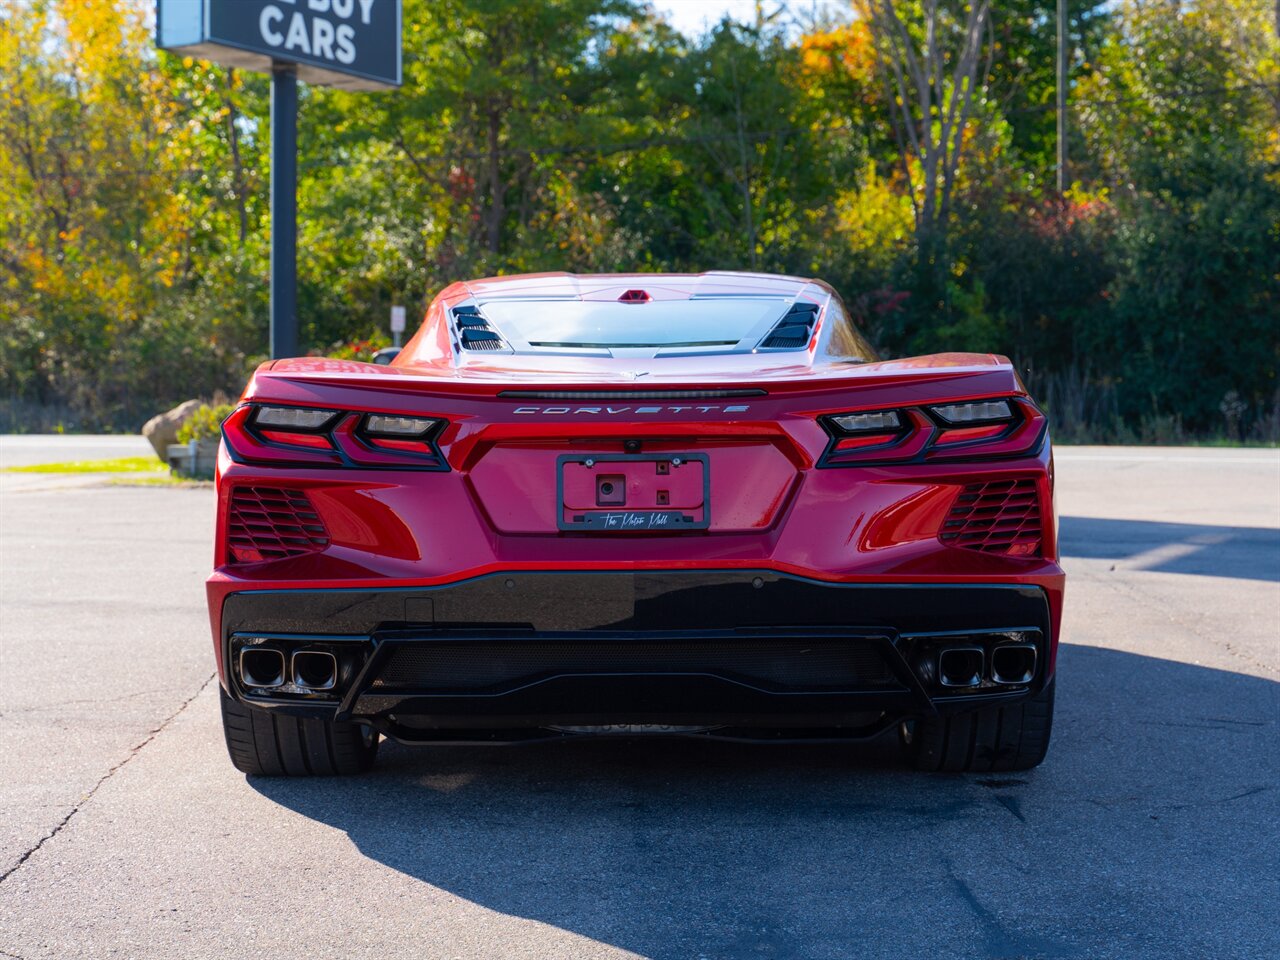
(751, 653)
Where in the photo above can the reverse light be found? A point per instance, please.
(292, 418)
(377, 424)
(982, 411)
(883, 420)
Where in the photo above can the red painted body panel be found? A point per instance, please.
(494, 509)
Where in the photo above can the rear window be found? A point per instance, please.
(713, 322)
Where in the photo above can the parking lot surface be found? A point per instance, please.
(20, 450)
(1150, 831)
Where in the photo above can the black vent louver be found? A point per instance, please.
(474, 331)
(794, 329)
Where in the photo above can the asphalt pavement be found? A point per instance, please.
(26, 449)
(1150, 831)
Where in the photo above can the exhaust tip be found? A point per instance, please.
(1013, 663)
(261, 667)
(315, 669)
(960, 666)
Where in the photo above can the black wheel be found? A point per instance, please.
(267, 744)
(989, 740)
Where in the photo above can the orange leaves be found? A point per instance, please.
(840, 62)
(846, 49)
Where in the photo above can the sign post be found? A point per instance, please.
(350, 44)
(284, 211)
(397, 325)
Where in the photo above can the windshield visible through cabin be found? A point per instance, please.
(711, 322)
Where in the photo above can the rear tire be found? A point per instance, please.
(265, 743)
(993, 739)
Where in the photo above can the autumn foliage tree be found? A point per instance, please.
(902, 149)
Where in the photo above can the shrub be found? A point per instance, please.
(205, 423)
(361, 349)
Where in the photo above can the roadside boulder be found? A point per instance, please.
(162, 429)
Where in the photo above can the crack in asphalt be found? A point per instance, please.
(1247, 723)
(104, 778)
(996, 936)
(1212, 802)
(1196, 726)
(1002, 943)
(45, 707)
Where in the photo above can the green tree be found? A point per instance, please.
(85, 174)
(1184, 137)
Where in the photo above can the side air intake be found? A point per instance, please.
(474, 331)
(1002, 516)
(794, 329)
(271, 523)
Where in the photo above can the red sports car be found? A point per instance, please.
(631, 505)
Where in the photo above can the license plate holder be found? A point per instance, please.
(633, 492)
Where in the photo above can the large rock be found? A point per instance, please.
(162, 429)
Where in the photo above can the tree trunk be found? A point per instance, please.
(237, 166)
(497, 191)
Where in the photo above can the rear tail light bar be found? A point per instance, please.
(984, 429)
(313, 437)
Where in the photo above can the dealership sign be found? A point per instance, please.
(352, 44)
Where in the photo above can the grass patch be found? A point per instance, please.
(158, 480)
(118, 465)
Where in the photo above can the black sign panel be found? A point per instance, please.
(346, 43)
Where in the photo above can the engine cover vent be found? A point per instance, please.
(793, 331)
(474, 331)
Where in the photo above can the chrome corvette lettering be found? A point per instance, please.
(619, 411)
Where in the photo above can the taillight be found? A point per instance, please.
(250, 441)
(987, 428)
(876, 435)
(979, 429)
(873, 429)
(309, 436)
(385, 441)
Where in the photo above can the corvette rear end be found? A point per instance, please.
(649, 504)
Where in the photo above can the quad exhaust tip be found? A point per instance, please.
(262, 667)
(1013, 663)
(961, 666)
(315, 669)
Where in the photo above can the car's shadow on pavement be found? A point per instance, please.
(1249, 553)
(1156, 804)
